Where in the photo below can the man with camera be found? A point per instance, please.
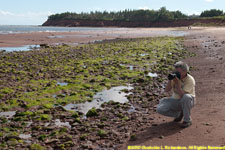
(182, 100)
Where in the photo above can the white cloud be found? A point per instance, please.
(209, 0)
(28, 18)
(144, 8)
(5, 13)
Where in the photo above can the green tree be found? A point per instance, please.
(127, 15)
(212, 13)
(164, 15)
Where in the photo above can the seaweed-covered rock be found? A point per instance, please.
(92, 112)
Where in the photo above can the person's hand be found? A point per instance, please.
(176, 82)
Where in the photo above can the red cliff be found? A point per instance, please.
(99, 23)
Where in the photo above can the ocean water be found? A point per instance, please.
(11, 29)
(20, 48)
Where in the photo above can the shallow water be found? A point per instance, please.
(7, 114)
(131, 67)
(178, 33)
(69, 36)
(25, 136)
(143, 54)
(62, 83)
(114, 94)
(12, 29)
(153, 75)
(132, 109)
(21, 48)
(58, 123)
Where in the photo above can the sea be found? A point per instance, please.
(16, 29)
(12, 29)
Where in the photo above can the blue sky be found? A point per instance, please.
(35, 12)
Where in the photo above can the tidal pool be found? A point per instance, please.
(114, 94)
(128, 66)
(25, 136)
(21, 48)
(68, 36)
(153, 75)
(58, 123)
(132, 109)
(143, 54)
(7, 114)
(62, 83)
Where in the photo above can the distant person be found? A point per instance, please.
(189, 27)
(179, 105)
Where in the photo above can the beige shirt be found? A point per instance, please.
(187, 84)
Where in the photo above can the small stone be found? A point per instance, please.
(48, 141)
(207, 124)
(161, 137)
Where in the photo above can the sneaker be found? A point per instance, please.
(178, 119)
(186, 124)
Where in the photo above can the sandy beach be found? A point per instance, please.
(54, 69)
(73, 38)
(208, 114)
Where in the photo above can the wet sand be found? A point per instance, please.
(73, 38)
(208, 114)
(208, 70)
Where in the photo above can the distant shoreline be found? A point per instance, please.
(134, 24)
(81, 37)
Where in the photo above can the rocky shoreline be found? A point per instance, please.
(41, 121)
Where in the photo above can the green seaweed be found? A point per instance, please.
(37, 147)
(87, 71)
(102, 133)
(92, 112)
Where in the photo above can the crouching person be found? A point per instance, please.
(179, 105)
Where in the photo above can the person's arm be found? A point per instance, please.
(168, 86)
(188, 87)
(178, 88)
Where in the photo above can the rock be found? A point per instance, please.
(115, 132)
(49, 141)
(12, 142)
(207, 124)
(22, 103)
(12, 137)
(154, 124)
(127, 135)
(161, 137)
(102, 133)
(49, 128)
(92, 112)
(133, 137)
(88, 145)
(44, 45)
(75, 114)
(140, 80)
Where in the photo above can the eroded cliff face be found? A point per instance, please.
(99, 23)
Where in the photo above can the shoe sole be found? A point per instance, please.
(185, 126)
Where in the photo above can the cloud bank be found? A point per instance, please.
(28, 18)
(209, 0)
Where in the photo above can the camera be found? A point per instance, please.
(171, 76)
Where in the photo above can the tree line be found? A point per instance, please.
(133, 15)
